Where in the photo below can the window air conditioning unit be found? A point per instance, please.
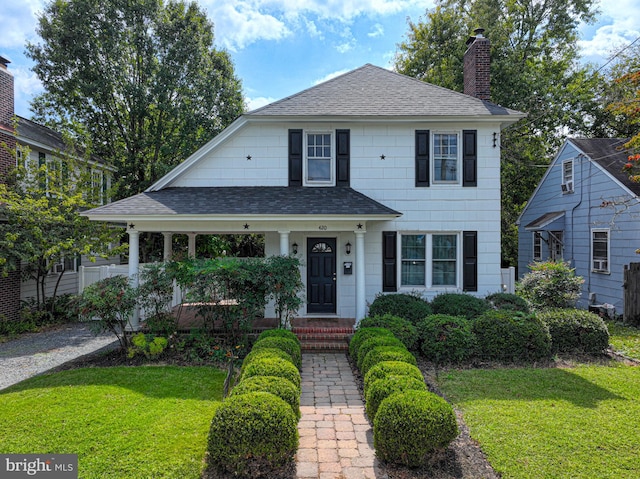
(599, 265)
(567, 187)
(58, 268)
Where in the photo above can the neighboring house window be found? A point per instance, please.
(537, 246)
(429, 260)
(445, 158)
(600, 250)
(69, 265)
(19, 156)
(556, 240)
(319, 160)
(567, 176)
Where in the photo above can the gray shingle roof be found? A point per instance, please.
(245, 200)
(610, 154)
(373, 91)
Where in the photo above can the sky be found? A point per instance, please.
(280, 47)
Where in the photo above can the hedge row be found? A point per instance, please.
(254, 431)
(409, 422)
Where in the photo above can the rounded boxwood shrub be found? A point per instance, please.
(576, 330)
(272, 367)
(281, 387)
(391, 368)
(252, 434)
(289, 346)
(386, 353)
(374, 342)
(264, 353)
(445, 338)
(509, 301)
(407, 306)
(459, 304)
(411, 425)
(362, 334)
(381, 389)
(401, 328)
(278, 333)
(511, 336)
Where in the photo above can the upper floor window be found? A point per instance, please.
(600, 250)
(319, 159)
(537, 246)
(445, 158)
(567, 176)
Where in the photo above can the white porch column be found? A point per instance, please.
(192, 244)
(168, 246)
(361, 302)
(284, 242)
(134, 268)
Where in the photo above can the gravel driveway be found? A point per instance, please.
(36, 353)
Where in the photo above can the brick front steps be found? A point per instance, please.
(323, 339)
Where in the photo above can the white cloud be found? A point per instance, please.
(258, 102)
(378, 31)
(18, 20)
(330, 76)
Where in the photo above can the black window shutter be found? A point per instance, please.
(295, 157)
(422, 157)
(469, 158)
(343, 157)
(470, 260)
(389, 270)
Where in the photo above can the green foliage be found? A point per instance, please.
(411, 425)
(285, 284)
(446, 338)
(148, 345)
(269, 366)
(408, 306)
(155, 294)
(386, 353)
(361, 335)
(374, 342)
(574, 330)
(265, 353)
(459, 304)
(175, 94)
(401, 328)
(281, 387)
(511, 337)
(385, 369)
(278, 332)
(550, 284)
(289, 346)
(108, 305)
(381, 389)
(252, 435)
(509, 301)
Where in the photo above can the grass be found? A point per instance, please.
(142, 422)
(625, 339)
(553, 423)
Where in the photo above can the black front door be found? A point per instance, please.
(321, 275)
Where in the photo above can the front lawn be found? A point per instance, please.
(555, 423)
(624, 339)
(123, 422)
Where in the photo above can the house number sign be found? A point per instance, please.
(322, 227)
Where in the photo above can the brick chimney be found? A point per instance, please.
(477, 61)
(6, 95)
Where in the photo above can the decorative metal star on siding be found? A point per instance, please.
(246, 226)
(249, 157)
(359, 226)
(382, 157)
(131, 226)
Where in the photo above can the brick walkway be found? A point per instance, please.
(336, 441)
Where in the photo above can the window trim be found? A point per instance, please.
(434, 179)
(305, 158)
(537, 242)
(428, 261)
(556, 240)
(567, 183)
(608, 258)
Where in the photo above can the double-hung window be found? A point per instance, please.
(567, 176)
(600, 250)
(429, 260)
(319, 160)
(445, 158)
(537, 246)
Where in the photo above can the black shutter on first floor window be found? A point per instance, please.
(470, 261)
(295, 157)
(389, 261)
(343, 157)
(422, 157)
(469, 158)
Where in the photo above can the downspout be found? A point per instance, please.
(581, 158)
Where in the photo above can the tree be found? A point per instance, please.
(534, 69)
(42, 225)
(142, 77)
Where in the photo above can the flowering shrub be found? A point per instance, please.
(550, 284)
(150, 346)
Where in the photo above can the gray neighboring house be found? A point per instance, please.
(585, 211)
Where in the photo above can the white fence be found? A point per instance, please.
(508, 280)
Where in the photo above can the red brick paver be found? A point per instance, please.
(336, 441)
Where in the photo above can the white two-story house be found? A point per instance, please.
(378, 182)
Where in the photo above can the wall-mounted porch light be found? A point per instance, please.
(294, 247)
(347, 248)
